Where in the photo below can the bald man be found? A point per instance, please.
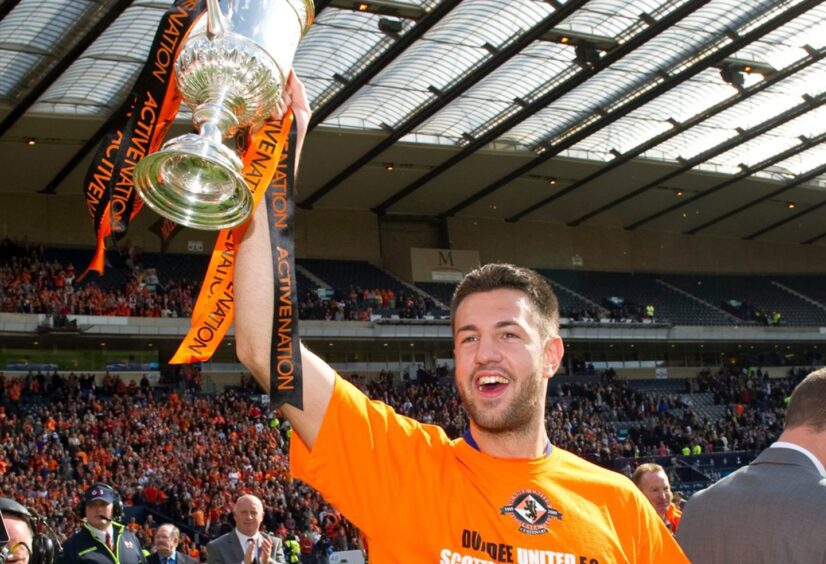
(246, 544)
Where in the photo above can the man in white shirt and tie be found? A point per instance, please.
(246, 543)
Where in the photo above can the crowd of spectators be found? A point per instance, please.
(362, 304)
(189, 455)
(186, 455)
(602, 422)
(29, 283)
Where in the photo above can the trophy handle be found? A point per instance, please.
(217, 23)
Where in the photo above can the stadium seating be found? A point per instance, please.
(758, 297)
(636, 292)
(677, 299)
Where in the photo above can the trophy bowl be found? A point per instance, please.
(231, 71)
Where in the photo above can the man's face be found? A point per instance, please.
(248, 514)
(502, 360)
(165, 543)
(19, 535)
(657, 489)
(99, 514)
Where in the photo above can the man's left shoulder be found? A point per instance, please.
(221, 539)
(275, 539)
(578, 468)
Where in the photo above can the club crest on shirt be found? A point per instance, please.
(532, 511)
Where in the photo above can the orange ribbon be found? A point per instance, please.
(214, 309)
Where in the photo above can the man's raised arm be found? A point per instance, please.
(254, 290)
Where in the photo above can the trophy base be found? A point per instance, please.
(195, 182)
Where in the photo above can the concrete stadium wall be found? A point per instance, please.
(687, 372)
(357, 234)
(62, 220)
(551, 245)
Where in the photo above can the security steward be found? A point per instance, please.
(102, 540)
(25, 544)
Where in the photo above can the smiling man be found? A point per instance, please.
(165, 545)
(653, 482)
(246, 543)
(501, 493)
(101, 539)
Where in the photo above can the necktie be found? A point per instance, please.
(109, 541)
(251, 542)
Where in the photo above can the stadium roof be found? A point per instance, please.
(690, 116)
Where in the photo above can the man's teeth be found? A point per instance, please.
(486, 380)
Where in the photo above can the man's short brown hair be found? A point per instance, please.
(807, 406)
(644, 469)
(497, 276)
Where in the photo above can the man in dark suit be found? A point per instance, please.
(101, 539)
(774, 509)
(165, 545)
(246, 543)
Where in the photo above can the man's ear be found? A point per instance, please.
(554, 350)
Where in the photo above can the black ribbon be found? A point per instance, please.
(142, 119)
(286, 381)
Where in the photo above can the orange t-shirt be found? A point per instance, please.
(672, 518)
(420, 497)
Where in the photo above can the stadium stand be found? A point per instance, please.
(184, 456)
(626, 295)
(442, 291)
(45, 280)
(755, 299)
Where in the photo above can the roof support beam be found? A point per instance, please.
(554, 94)
(382, 61)
(446, 97)
(91, 143)
(804, 145)
(814, 239)
(719, 149)
(797, 181)
(680, 128)
(789, 219)
(380, 7)
(610, 117)
(7, 7)
(46, 81)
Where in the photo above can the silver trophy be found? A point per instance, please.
(231, 72)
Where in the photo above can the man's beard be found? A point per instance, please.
(518, 415)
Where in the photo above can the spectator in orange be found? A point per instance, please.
(653, 482)
(198, 518)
